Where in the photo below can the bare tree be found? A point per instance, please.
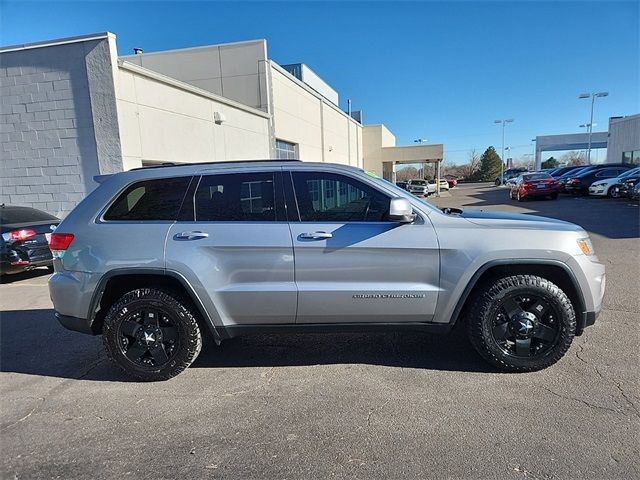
(470, 169)
(407, 173)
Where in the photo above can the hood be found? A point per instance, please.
(517, 220)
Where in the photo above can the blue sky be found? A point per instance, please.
(443, 71)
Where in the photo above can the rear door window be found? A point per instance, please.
(158, 199)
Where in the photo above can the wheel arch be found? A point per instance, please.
(553, 270)
(117, 282)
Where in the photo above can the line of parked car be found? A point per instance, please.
(608, 180)
(425, 188)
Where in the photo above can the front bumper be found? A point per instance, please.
(600, 190)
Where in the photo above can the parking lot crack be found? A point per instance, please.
(39, 402)
(626, 397)
(584, 402)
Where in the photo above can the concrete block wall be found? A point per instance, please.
(47, 127)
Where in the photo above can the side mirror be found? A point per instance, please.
(400, 210)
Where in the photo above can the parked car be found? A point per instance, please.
(451, 181)
(534, 185)
(350, 251)
(507, 174)
(418, 187)
(604, 188)
(579, 184)
(635, 195)
(24, 238)
(402, 185)
(560, 171)
(626, 187)
(444, 185)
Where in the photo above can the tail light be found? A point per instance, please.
(59, 243)
(574, 181)
(18, 235)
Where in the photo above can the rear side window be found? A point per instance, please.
(236, 197)
(158, 199)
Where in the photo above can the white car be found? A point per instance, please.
(602, 188)
(444, 185)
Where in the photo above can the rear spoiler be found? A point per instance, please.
(101, 178)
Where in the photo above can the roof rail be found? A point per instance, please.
(194, 164)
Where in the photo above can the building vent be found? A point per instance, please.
(219, 117)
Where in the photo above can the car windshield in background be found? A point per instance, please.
(537, 176)
(418, 182)
(11, 215)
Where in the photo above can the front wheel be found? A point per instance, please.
(152, 334)
(521, 323)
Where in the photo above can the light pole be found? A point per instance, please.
(508, 149)
(421, 141)
(593, 97)
(587, 125)
(504, 123)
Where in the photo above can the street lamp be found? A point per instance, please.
(504, 123)
(420, 140)
(593, 97)
(508, 149)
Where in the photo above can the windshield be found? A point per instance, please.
(629, 173)
(418, 182)
(537, 176)
(10, 215)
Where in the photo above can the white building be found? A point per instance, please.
(73, 108)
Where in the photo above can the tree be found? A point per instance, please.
(469, 171)
(550, 163)
(574, 158)
(407, 173)
(490, 165)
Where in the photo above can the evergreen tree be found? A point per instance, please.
(490, 164)
(550, 163)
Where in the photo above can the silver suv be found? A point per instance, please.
(155, 258)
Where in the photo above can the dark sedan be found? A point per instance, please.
(626, 188)
(24, 238)
(580, 183)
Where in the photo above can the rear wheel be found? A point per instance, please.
(521, 323)
(152, 334)
(518, 197)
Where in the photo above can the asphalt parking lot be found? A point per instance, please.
(347, 406)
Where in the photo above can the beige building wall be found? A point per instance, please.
(381, 152)
(164, 120)
(233, 70)
(321, 131)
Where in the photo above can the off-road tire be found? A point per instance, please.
(190, 337)
(483, 307)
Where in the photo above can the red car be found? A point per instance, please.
(452, 181)
(531, 185)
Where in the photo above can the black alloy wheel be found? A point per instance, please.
(521, 323)
(148, 336)
(525, 325)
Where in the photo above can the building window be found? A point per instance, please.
(286, 150)
(632, 157)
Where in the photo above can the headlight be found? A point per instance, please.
(586, 246)
(599, 184)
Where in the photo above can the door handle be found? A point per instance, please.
(316, 235)
(190, 235)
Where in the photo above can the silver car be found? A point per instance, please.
(153, 258)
